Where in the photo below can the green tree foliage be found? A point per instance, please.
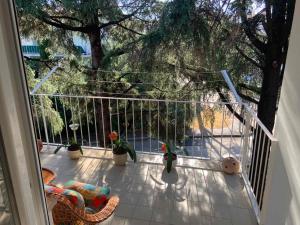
(51, 115)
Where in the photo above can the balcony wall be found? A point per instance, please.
(283, 199)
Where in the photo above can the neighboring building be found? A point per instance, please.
(30, 48)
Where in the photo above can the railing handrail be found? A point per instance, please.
(239, 100)
(134, 99)
(258, 121)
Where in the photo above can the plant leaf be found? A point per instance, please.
(169, 161)
(58, 148)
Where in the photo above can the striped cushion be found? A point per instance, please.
(95, 197)
(74, 197)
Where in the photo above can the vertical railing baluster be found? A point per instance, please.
(126, 121)
(150, 127)
(142, 126)
(37, 117)
(259, 152)
(184, 121)
(110, 118)
(246, 136)
(175, 123)
(73, 118)
(231, 133)
(95, 121)
(79, 118)
(158, 126)
(44, 120)
(202, 128)
(87, 121)
(52, 134)
(65, 119)
(56, 108)
(167, 121)
(241, 129)
(195, 116)
(222, 129)
(264, 173)
(52, 129)
(133, 124)
(254, 150)
(260, 162)
(118, 117)
(102, 118)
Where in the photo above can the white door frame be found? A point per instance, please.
(16, 124)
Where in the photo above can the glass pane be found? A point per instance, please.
(7, 217)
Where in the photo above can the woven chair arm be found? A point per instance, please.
(87, 218)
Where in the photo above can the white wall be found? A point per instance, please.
(282, 203)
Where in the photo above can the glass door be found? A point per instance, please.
(8, 211)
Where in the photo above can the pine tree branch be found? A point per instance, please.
(228, 105)
(246, 25)
(56, 23)
(247, 98)
(68, 18)
(248, 58)
(250, 88)
(116, 22)
(129, 29)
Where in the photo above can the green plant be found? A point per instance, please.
(73, 146)
(169, 156)
(120, 146)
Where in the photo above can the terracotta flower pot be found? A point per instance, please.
(120, 160)
(39, 143)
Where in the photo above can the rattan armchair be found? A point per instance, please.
(65, 213)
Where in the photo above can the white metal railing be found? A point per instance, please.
(147, 123)
(144, 123)
(256, 146)
(257, 142)
(206, 130)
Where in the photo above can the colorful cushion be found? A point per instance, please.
(95, 197)
(74, 197)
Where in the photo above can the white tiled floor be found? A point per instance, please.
(151, 196)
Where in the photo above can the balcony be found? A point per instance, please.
(191, 194)
(203, 133)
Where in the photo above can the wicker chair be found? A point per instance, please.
(65, 213)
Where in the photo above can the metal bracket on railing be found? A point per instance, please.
(45, 78)
(231, 86)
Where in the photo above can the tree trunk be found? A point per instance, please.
(269, 94)
(266, 113)
(102, 106)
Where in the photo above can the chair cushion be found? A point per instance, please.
(73, 196)
(95, 197)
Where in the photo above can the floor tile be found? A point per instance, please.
(142, 213)
(220, 221)
(125, 210)
(161, 215)
(241, 216)
(221, 211)
(136, 222)
(118, 221)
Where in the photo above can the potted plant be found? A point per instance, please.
(120, 150)
(74, 149)
(169, 157)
